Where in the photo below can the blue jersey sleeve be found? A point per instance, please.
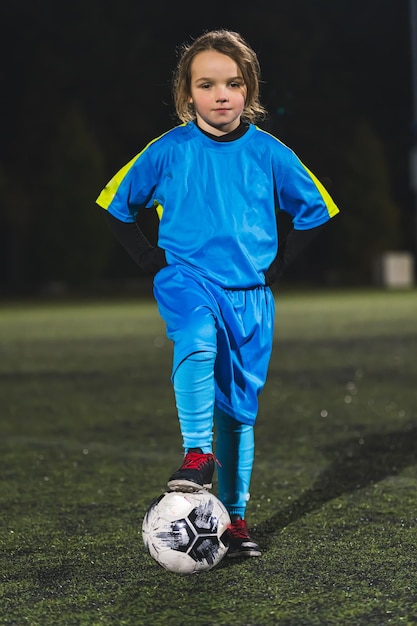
(304, 197)
(130, 189)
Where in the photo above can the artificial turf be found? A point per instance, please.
(89, 436)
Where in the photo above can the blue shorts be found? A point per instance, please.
(237, 325)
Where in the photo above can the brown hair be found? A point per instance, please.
(234, 46)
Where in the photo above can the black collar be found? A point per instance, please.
(234, 134)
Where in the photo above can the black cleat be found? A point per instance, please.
(239, 541)
(195, 474)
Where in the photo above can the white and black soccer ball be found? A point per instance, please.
(184, 532)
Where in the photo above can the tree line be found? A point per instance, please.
(88, 85)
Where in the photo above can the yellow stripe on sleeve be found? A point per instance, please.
(159, 209)
(328, 200)
(106, 196)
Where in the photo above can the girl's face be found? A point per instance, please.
(218, 92)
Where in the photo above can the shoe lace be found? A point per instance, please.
(239, 529)
(195, 460)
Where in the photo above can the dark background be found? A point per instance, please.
(86, 84)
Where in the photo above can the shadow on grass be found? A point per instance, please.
(354, 464)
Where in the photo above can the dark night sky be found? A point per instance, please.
(117, 58)
(326, 65)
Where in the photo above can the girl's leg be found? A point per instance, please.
(235, 448)
(194, 395)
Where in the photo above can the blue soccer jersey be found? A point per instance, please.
(217, 201)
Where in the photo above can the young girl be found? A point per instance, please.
(217, 181)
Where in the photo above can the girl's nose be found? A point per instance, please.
(221, 96)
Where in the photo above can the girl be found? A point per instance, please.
(216, 181)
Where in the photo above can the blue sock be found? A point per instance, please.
(194, 395)
(235, 449)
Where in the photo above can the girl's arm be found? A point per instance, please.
(295, 242)
(149, 258)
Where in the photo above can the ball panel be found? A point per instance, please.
(206, 550)
(177, 562)
(174, 505)
(178, 535)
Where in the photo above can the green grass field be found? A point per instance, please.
(89, 436)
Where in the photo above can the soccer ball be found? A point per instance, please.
(184, 532)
